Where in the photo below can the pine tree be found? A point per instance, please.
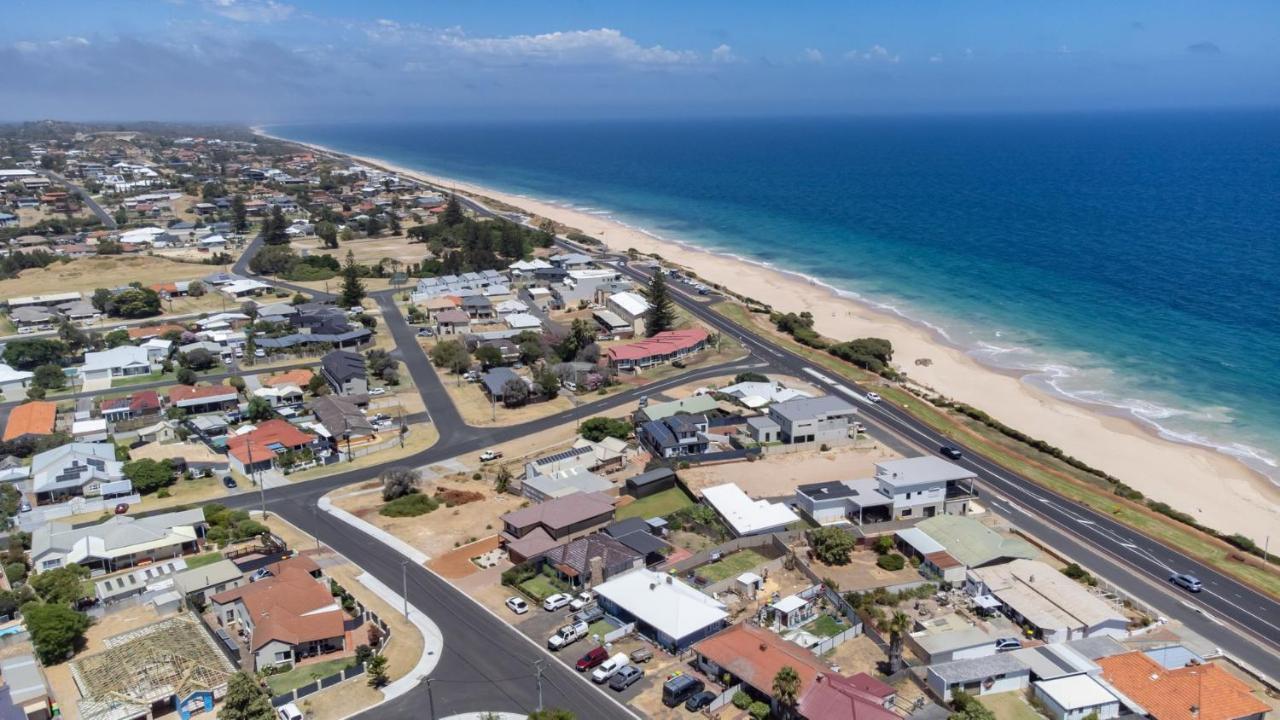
(239, 214)
(352, 288)
(245, 700)
(452, 214)
(662, 312)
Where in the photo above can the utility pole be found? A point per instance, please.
(431, 700)
(404, 582)
(537, 664)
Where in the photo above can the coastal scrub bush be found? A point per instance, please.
(1079, 574)
(741, 700)
(831, 545)
(800, 327)
(409, 506)
(598, 428)
(891, 562)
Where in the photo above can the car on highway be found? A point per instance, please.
(594, 657)
(517, 605)
(490, 455)
(228, 482)
(951, 451)
(874, 397)
(1190, 583)
(626, 676)
(699, 701)
(584, 598)
(555, 602)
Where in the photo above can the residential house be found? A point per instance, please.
(14, 383)
(667, 611)
(638, 535)
(31, 421)
(979, 676)
(78, 469)
(821, 419)
(1056, 607)
(478, 307)
(745, 516)
(691, 405)
(243, 288)
(675, 436)
(661, 348)
(531, 531)
(452, 322)
(32, 317)
(201, 582)
(281, 396)
(630, 306)
(966, 541)
(1076, 697)
(345, 372)
(1193, 692)
(285, 618)
(907, 489)
(121, 541)
(613, 325)
(756, 395)
(342, 423)
(262, 448)
(200, 399)
(590, 560)
(523, 322)
(300, 377)
(143, 403)
(25, 694)
(118, 362)
(495, 380)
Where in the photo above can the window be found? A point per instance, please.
(283, 656)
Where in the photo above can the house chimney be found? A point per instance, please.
(597, 570)
(819, 678)
(763, 647)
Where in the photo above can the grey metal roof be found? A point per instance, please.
(832, 490)
(976, 669)
(342, 365)
(923, 469)
(802, 409)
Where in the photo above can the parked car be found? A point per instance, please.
(1006, 644)
(680, 688)
(426, 332)
(289, 711)
(228, 482)
(626, 676)
(555, 602)
(517, 605)
(874, 397)
(490, 455)
(641, 655)
(374, 392)
(594, 657)
(584, 598)
(260, 574)
(699, 701)
(122, 508)
(567, 635)
(606, 669)
(24, 507)
(259, 353)
(1190, 583)
(951, 452)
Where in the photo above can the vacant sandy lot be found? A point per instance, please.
(779, 475)
(86, 274)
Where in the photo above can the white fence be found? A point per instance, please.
(621, 632)
(42, 514)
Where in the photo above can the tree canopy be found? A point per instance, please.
(56, 630)
(598, 428)
(661, 315)
(353, 292)
(245, 700)
(831, 545)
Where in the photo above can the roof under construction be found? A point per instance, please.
(147, 665)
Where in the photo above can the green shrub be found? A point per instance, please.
(891, 562)
(758, 711)
(409, 506)
(741, 700)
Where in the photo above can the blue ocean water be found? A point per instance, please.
(1126, 260)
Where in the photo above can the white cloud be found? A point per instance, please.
(878, 53)
(724, 54)
(811, 55)
(573, 46)
(256, 11)
(935, 58)
(66, 43)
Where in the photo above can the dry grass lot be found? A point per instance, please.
(86, 274)
(862, 573)
(368, 251)
(419, 438)
(32, 216)
(776, 475)
(476, 409)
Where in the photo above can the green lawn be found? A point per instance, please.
(601, 628)
(659, 504)
(539, 587)
(208, 558)
(306, 674)
(1009, 706)
(730, 565)
(826, 626)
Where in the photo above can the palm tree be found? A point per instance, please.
(786, 689)
(898, 625)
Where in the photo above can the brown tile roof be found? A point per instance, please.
(290, 607)
(755, 655)
(561, 512)
(299, 377)
(256, 446)
(182, 393)
(1171, 694)
(33, 418)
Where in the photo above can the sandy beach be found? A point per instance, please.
(1219, 491)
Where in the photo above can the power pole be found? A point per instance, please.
(431, 701)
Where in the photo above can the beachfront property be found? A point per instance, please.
(692, 405)
(675, 436)
(1051, 605)
(670, 613)
(907, 489)
(661, 348)
(822, 419)
(121, 541)
(756, 395)
(947, 545)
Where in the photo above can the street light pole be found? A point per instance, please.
(537, 664)
(404, 582)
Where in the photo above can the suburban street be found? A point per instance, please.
(486, 665)
(103, 216)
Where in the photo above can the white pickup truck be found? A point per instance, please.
(567, 635)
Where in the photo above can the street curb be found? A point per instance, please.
(432, 640)
(368, 528)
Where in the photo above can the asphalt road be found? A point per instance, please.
(103, 216)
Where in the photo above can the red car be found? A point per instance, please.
(122, 508)
(592, 659)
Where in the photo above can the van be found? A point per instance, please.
(680, 688)
(289, 711)
(606, 669)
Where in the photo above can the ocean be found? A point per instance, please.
(1127, 261)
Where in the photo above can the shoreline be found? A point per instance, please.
(1220, 490)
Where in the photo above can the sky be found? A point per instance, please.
(265, 61)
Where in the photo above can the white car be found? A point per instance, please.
(517, 605)
(873, 397)
(374, 392)
(259, 353)
(582, 600)
(555, 602)
(289, 711)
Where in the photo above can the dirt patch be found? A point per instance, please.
(860, 654)
(457, 563)
(446, 528)
(780, 475)
(86, 274)
(862, 573)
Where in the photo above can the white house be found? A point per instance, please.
(979, 676)
(14, 382)
(123, 361)
(244, 288)
(665, 610)
(77, 469)
(746, 516)
(1075, 697)
(1057, 607)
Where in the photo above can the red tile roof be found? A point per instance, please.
(664, 343)
(835, 697)
(755, 656)
(292, 607)
(33, 418)
(144, 401)
(257, 444)
(299, 377)
(183, 393)
(1171, 694)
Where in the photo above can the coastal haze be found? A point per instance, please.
(1123, 261)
